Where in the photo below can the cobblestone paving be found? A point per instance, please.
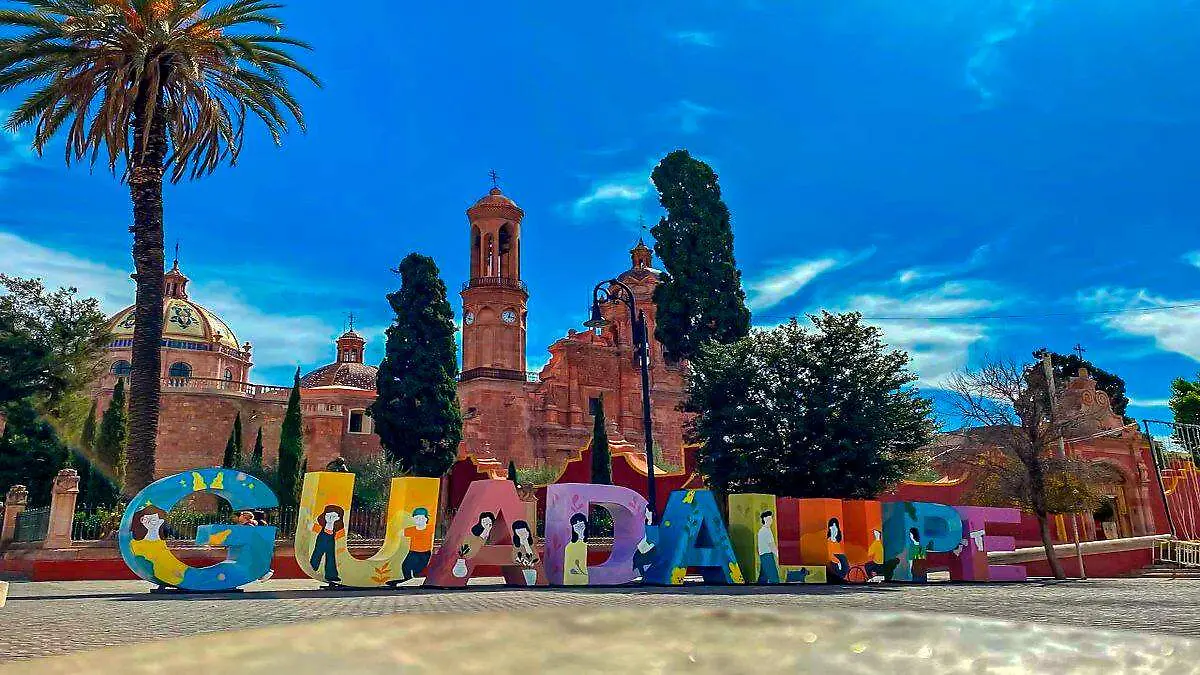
(61, 617)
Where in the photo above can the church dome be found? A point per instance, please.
(183, 320)
(641, 260)
(495, 205)
(346, 374)
(349, 369)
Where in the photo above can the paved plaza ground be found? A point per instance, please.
(50, 618)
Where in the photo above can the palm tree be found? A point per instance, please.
(162, 86)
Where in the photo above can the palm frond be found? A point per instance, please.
(102, 69)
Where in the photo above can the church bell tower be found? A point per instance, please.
(494, 297)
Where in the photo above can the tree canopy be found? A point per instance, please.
(826, 410)
(416, 411)
(1066, 366)
(30, 452)
(1185, 400)
(50, 342)
(699, 297)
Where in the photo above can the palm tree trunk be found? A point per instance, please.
(145, 383)
(1051, 557)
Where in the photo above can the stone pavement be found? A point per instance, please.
(62, 617)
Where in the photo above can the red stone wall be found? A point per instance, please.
(195, 425)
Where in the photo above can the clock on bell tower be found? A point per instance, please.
(494, 297)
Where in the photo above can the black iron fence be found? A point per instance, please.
(97, 523)
(32, 524)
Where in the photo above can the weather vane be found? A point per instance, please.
(495, 178)
(176, 253)
(350, 321)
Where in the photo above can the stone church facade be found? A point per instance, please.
(532, 418)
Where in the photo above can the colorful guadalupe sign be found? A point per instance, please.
(322, 529)
(768, 540)
(143, 541)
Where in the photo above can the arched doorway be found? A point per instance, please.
(1111, 518)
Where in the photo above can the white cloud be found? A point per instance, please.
(1149, 402)
(986, 64)
(279, 339)
(784, 282)
(696, 38)
(1192, 258)
(690, 115)
(976, 259)
(1175, 330)
(938, 347)
(622, 195)
(23, 258)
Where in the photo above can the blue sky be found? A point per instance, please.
(920, 158)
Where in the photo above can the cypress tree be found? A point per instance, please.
(87, 437)
(291, 449)
(512, 471)
(233, 447)
(416, 413)
(601, 456)
(699, 298)
(256, 457)
(112, 439)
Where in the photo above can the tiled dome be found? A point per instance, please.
(344, 374)
(183, 319)
(495, 205)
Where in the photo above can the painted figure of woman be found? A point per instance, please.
(147, 543)
(916, 556)
(575, 562)
(643, 555)
(839, 566)
(480, 531)
(524, 554)
(329, 527)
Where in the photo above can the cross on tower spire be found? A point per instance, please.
(1079, 350)
(175, 264)
(350, 320)
(495, 178)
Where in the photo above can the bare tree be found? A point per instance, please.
(1007, 448)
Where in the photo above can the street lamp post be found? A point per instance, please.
(614, 290)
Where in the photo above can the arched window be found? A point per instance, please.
(228, 375)
(179, 369)
(121, 368)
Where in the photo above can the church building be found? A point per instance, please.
(535, 419)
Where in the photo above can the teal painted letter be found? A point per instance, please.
(692, 534)
(912, 530)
